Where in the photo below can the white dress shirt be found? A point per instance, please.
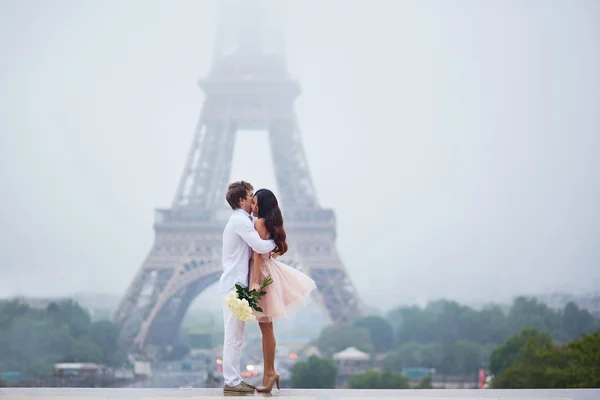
(239, 240)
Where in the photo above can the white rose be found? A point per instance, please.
(249, 317)
(239, 306)
(249, 314)
(231, 296)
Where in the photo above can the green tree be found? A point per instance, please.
(375, 380)
(446, 322)
(425, 383)
(118, 359)
(84, 350)
(406, 356)
(11, 310)
(527, 312)
(335, 338)
(468, 356)
(31, 340)
(414, 324)
(492, 323)
(576, 321)
(42, 365)
(461, 358)
(456, 339)
(315, 373)
(432, 355)
(380, 331)
(539, 365)
(582, 369)
(458, 321)
(105, 335)
(508, 353)
(68, 312)
(27, 343)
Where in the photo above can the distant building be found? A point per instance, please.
(77, 369)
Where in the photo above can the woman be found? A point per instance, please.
(290, 287)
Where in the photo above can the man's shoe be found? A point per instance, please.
(249, 385)
(240, 388)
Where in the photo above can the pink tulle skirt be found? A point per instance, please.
(290, 289)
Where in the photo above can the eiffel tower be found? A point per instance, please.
(247, 88)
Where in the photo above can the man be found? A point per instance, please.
(239, 240)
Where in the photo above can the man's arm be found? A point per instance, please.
(245, 229)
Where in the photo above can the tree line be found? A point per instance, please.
(532, 359)
(452, 338)
(33, 340)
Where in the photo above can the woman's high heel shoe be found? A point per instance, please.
(269, 386)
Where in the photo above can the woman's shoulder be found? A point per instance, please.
(261, 227)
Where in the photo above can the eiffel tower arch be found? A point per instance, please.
(247, 88)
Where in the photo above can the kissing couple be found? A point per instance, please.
(253, 237)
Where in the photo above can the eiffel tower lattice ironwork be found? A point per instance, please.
(247, 88)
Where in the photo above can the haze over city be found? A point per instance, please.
(456, 142)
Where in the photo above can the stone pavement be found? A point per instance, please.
(292, 394)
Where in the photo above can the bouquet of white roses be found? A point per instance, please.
(243, 300)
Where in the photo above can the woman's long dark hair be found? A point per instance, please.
(268, 208)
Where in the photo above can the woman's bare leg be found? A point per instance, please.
(268, 344)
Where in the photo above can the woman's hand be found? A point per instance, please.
(255, 286)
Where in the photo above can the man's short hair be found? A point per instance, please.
(236, 192)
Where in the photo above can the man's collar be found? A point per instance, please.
(241, 211)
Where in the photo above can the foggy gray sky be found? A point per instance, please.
(456, 140)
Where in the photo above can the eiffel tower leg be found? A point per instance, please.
(291, 169)
(180, 265)
(208, 165)
(161, 325)
(139, 301)
(165, 326)
(128, 302)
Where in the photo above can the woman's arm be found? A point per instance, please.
(261, 228)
